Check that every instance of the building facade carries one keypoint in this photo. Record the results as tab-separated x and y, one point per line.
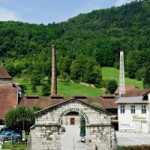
134	111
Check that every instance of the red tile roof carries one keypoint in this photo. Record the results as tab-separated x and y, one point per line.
42	102
127	88
137	92
45	102
105	103
4	73
8	98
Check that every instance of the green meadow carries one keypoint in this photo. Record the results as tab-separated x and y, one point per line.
70	89
113	73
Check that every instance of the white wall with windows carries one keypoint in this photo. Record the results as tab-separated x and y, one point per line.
134	117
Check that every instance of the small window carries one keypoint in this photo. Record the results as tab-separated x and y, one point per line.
143	109
122	109
132	109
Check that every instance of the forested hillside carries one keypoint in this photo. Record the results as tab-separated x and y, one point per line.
84	44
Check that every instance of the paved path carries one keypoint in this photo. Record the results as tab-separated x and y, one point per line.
133	138
71	139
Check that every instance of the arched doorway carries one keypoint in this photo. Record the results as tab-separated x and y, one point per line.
71	118
45	133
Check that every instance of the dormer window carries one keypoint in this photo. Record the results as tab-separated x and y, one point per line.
145	98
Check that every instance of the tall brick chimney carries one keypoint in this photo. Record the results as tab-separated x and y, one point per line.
54	74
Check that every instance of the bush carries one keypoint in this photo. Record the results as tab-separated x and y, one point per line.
136	147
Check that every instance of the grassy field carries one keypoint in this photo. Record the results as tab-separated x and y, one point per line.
113	73
70	89
66	89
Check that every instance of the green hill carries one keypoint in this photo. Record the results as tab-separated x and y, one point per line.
25	49
113	73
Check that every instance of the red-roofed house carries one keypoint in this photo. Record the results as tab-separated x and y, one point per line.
8	98
9	93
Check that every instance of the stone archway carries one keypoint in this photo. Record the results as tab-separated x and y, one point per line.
44	135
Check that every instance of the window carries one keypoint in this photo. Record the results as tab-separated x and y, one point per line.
143	109
122	109
132	109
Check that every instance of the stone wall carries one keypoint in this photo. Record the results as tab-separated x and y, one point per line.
44	138
100	137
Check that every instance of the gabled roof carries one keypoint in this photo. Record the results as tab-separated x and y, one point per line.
8	98
127	88
4	73
134	96
66	102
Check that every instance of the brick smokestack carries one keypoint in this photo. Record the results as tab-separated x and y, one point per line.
54	74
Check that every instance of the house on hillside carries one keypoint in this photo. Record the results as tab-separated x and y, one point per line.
10	93
134	111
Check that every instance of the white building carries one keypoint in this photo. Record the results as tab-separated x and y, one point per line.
134	111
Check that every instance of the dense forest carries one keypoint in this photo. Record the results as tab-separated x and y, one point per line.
84	44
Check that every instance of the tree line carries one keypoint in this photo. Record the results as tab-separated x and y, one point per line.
84	43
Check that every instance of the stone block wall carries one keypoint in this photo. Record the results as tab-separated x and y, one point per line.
100	137
44	138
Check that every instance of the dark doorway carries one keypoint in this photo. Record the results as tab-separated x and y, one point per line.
72	121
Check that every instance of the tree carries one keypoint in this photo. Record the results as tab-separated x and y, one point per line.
111	86
45	90
20	118
76	70
82	126
146	81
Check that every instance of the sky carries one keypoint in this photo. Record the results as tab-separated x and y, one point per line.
49	11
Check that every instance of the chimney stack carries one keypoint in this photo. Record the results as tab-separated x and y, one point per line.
122	77
54	75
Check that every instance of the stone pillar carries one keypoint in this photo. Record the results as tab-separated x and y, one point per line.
54	74
100	137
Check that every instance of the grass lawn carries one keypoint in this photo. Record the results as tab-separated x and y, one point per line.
66	89
9	145
113	73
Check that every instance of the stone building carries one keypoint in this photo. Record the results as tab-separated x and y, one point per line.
44	135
